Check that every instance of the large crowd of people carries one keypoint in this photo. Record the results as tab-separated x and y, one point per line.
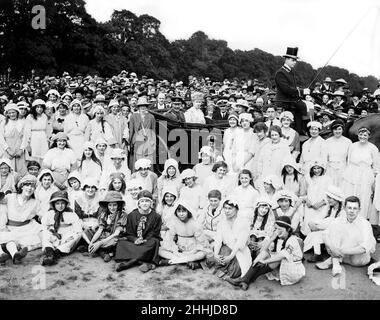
76	174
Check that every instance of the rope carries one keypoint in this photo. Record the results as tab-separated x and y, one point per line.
344	40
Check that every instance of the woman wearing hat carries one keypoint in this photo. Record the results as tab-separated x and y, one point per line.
7	176
245	120
111	220
280	258
118	123
37	130
102	151
141	240
315	200
231	253
260	140
147	177
289	134
60	159
142	132
74	182
270	186
191	191
233	144
75	127
203	169
62	229
261	226
337	148
195	114
13	138
170	176
99	128
133	188
24	232
292	177
191	245
334	209
45	188
314	148
359	175
166	208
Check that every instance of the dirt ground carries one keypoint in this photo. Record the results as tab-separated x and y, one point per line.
80	277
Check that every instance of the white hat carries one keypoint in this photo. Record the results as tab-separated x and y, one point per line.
142	163
53	91
38	102
287	114
263	200
118	153
188	173
113	103
316	124
246	116
335	193
11	106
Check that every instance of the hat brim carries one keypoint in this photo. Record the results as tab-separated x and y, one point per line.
290	56
59	198
104	202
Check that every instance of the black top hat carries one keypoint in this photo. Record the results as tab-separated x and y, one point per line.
291	53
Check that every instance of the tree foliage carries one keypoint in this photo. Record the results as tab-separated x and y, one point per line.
73	41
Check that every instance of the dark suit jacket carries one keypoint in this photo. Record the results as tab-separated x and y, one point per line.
286	86
218	116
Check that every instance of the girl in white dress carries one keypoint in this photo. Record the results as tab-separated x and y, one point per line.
260	129
170	176
292	177
233	144
75	126
204	168
191	192
359	176
45	188
337	148
289	134
245	120
89	165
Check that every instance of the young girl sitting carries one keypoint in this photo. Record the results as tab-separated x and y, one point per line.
211	215
147	177
262	225
45	189
90	165
204	168
191	192
133	189
170	176
190	247
112	214
287	205
166	208
118	184
62	229
74	190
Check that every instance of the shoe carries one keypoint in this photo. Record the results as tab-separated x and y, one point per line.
163	262
19	255
233	281
193	265
4	257
336	270
125	265
315	258
145	267
47	260
107	258
244	286
327	264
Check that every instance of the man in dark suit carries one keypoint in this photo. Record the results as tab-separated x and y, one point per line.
221	112
288	95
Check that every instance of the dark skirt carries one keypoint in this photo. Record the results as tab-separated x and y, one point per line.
232	269
146	252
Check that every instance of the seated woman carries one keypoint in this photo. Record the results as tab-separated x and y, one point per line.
118	184
45	188
74	190
192	192
166	208
219	180
246	194
287	205
280	256
141	240
8	177
292	177
261	226
211	215
190	247
33	168
231	253
62	229
111	219
315	199
22	233
133	189
271	185
147	177
86	207
334	209
170	176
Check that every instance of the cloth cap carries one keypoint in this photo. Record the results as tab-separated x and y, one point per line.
38	102
316	124
246	116
53	91
287	114
145	194
118	153
28	178
274	181
188	173
11	106
60	136
143	163
43	172
90	182
335	193
264	201
233	115
284	221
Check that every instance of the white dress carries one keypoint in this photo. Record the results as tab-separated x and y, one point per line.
233	148
59	162
94	131
28	235
75	127
193	115
203	171
359	178
37	133
337	154
70	230
43	196
258	147
236	236
246	198
312	150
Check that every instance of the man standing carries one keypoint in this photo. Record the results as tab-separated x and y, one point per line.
349	239
288	93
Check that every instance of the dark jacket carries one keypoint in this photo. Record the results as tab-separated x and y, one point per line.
218	116
286	86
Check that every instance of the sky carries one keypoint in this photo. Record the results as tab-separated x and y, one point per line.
316	27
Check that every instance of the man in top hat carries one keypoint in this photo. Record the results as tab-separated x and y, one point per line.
142	132
288	93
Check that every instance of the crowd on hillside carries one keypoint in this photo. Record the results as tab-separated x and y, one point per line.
76	156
